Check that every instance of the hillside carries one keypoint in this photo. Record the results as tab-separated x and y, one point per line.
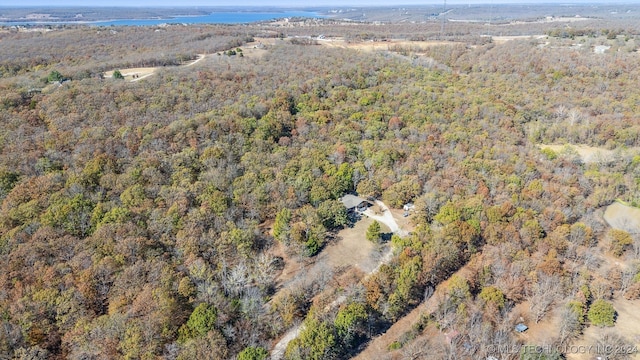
196	212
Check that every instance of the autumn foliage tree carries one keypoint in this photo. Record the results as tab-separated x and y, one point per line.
134	217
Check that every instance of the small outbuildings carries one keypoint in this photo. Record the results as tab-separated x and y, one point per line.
407	207
521	328
354	203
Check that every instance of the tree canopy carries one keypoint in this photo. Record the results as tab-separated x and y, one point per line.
187	214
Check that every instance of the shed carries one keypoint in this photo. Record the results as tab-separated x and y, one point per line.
354	203
521	328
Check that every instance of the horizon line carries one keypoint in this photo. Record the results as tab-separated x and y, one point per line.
297	6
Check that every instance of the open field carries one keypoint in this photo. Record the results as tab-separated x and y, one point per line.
137	74
349	249
353	249
387	45
623	217
133	74
627	325
250	50
590	154
502	39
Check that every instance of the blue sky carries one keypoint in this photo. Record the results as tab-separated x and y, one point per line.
284	3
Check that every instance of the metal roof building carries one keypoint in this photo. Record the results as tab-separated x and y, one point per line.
353	202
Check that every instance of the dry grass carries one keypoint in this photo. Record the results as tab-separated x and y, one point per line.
378	347
590	154
405	223
258	48
129	73
135	74
504	39
350	250
391	45
623	217
353	248
627	325
542	332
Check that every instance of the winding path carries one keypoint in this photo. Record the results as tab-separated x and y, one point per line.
143	73
278	351
386	218
191	63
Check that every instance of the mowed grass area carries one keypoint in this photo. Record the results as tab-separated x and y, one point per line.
627	325
135	74
590	154
130	73
623	217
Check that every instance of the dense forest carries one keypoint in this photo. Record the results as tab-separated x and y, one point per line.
138	220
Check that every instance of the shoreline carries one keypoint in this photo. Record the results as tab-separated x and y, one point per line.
234	17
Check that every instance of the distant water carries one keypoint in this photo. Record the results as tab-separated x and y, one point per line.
213	18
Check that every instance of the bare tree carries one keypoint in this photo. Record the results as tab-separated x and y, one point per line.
479	335
601	289
543	294
635	247
445	315
627	279
428	293
417	349
264	270
561	112
574	117
503	339
591	260
32	353
612	346
580	234
235	280
570	325
252	303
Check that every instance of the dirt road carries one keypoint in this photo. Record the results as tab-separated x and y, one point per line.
137	74
388	220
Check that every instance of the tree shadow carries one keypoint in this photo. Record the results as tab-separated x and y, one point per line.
385	237
353	218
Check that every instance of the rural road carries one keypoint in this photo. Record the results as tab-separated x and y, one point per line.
144	73
191	63
386	218
277	353
139	78
200	57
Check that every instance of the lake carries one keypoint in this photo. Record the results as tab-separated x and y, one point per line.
238	17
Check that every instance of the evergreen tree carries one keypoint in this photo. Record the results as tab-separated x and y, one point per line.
281	227
118	75
55	76
373	232
253	353
601	313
